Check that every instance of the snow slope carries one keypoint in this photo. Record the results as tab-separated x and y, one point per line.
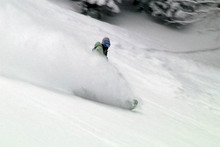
46	58
57	65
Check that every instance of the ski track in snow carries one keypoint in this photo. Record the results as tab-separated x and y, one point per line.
82	125
185	52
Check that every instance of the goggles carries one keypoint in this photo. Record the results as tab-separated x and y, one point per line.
107	44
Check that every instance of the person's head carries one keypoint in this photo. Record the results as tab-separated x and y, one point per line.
106	42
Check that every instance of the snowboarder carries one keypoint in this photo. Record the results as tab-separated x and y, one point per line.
102	48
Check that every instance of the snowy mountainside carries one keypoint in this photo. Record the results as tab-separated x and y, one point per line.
49	47
56	59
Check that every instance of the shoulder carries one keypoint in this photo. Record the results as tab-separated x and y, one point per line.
98	44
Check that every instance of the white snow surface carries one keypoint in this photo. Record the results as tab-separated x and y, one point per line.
52	87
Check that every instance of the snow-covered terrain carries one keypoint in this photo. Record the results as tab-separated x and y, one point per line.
52	87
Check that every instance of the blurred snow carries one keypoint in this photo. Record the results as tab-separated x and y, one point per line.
46	58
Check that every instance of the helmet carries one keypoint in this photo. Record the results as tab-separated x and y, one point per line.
106	42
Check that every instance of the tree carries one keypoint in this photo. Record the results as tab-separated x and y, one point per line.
99	8
179	11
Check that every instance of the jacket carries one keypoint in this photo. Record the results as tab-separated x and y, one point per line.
100	49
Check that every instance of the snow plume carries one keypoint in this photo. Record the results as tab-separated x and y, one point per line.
48	56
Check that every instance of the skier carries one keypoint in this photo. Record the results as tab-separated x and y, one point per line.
102	48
